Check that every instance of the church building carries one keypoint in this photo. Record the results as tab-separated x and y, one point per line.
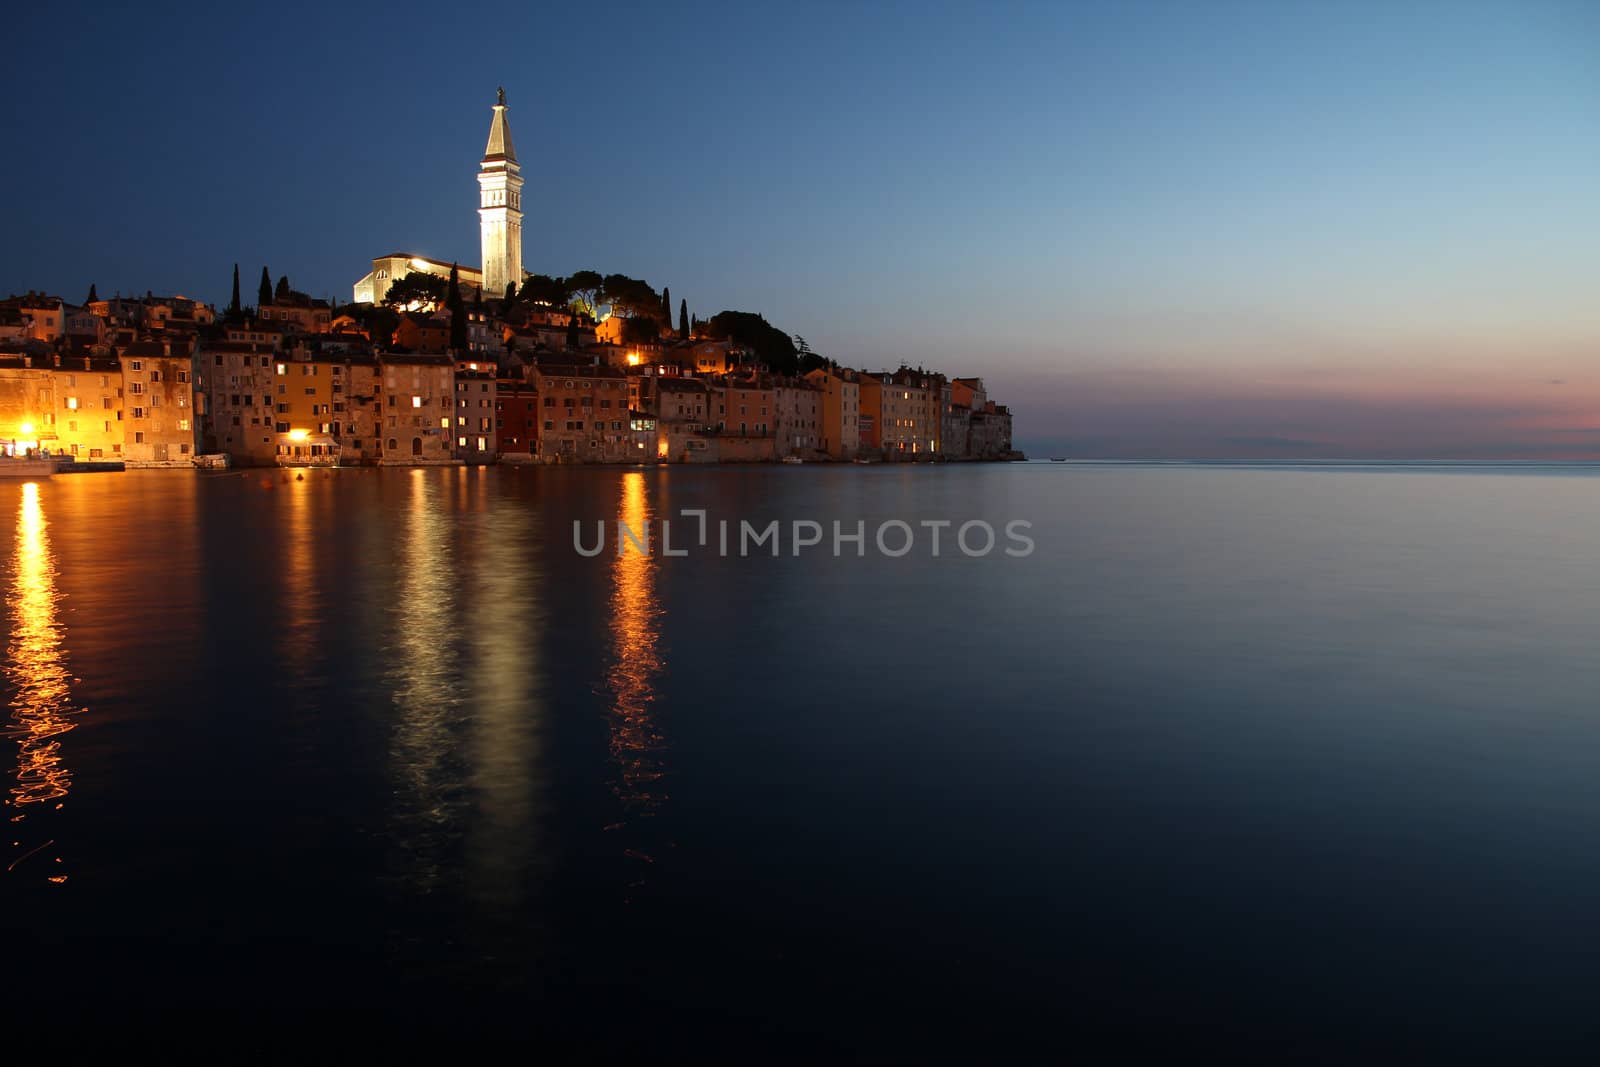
499	227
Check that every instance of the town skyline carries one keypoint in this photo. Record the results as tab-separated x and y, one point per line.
1361	234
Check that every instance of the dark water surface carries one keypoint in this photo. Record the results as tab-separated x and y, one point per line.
1303	762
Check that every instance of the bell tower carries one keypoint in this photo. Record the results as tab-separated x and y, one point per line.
500	206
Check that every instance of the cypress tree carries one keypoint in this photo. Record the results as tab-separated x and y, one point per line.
233	308
283	290
264	293
572	332
683	320
92	297
666	305
458	311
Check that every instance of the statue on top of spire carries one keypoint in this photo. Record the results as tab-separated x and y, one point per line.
502	96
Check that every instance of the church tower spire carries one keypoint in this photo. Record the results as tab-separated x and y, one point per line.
500	206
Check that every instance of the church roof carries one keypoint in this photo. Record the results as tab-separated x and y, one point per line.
500	135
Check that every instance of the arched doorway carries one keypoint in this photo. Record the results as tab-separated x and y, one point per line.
416	446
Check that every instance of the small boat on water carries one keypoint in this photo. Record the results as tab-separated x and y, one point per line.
793	459
1058	459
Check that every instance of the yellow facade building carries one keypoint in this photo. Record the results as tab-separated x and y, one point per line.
839	432
416	412
162	425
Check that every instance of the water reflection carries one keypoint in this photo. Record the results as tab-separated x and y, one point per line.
423	753
36	667
301	587
635	634
506	683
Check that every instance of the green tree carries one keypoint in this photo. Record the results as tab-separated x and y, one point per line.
416	290
543	289
282	292
584	288
264	291
572	332
683	320
233	305
666	305
640	330
510	295
633	298
770	344
93	296
458	311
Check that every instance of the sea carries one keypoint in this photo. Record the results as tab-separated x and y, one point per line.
829	763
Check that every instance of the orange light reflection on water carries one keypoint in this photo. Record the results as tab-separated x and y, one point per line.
36	667
635	635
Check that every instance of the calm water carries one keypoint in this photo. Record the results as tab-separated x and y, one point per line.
1298	760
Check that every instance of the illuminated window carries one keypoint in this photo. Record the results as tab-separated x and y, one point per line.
416	401
444	424
282	369
461	441
72	403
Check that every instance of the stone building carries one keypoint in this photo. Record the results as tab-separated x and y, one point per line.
239	380
799	418
299	312
516	418
477	437
903	412
681	407
840	431
871	440
499	229
325	406
745	415
500	206
416	412
27	400
584	413
957	425
990	435
969	393
159	404
89	394
423	331
271	334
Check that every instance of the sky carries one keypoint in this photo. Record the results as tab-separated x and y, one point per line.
1155	230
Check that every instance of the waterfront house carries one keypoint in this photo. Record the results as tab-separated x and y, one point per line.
416	409
840	431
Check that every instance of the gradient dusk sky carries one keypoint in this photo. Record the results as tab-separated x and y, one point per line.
1155	229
